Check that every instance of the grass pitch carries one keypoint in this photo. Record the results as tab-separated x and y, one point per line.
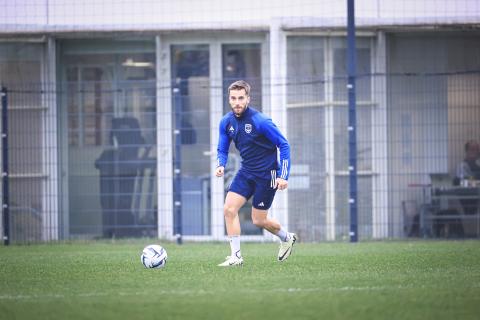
375	280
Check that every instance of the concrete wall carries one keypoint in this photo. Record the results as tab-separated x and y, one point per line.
21	16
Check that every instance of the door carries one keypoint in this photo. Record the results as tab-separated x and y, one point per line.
110	107
190	83
199	76
241	62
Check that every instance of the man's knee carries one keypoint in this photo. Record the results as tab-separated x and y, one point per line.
230	211
259	221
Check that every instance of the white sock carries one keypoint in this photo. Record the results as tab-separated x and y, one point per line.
235	246
283	235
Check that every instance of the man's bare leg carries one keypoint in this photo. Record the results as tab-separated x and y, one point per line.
260	218
233	203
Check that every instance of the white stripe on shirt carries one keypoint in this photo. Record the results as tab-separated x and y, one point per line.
284	169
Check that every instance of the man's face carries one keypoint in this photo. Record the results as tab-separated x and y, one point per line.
239	101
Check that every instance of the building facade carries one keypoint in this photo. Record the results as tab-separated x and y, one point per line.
113	112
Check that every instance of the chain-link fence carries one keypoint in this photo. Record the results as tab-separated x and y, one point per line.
109	144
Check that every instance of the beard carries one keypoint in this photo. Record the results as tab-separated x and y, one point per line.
238	111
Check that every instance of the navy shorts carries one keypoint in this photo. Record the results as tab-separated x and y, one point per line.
262	190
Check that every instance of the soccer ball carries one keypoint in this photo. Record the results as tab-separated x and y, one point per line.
154	256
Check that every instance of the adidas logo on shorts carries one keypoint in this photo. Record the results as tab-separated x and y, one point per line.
261	204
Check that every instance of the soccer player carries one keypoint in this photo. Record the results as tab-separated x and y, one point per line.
258	140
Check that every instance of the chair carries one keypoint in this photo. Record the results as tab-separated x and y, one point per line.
119	167
445	218
411	218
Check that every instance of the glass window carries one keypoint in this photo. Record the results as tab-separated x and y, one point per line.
242	62
364	207
104	86
364	138
363	71
433	109
315	122
110	101
190	75
20	73
305	70
20	65
307	178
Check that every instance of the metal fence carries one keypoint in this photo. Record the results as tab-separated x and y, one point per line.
88	170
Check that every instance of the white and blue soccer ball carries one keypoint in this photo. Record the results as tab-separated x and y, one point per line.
154	256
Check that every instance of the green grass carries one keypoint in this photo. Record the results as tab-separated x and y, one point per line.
375	280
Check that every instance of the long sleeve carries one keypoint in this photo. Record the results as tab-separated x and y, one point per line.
223	145
271	131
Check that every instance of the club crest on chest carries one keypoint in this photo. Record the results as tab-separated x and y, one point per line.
248	128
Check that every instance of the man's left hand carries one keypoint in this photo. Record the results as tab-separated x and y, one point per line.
282	184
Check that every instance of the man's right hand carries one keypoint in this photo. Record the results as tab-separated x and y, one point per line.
219	171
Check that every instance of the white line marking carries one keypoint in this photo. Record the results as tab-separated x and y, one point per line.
209	292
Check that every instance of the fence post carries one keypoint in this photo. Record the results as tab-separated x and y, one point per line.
5	186
352	120
177	165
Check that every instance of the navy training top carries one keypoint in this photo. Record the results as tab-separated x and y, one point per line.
257	138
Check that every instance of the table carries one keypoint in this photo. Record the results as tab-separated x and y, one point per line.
440	198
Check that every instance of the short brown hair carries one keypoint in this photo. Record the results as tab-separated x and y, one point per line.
239	85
